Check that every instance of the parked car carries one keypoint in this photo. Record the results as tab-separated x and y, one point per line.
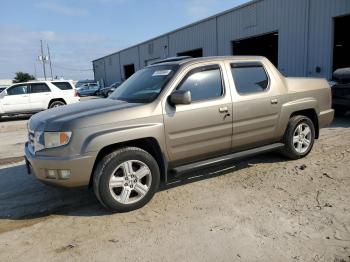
107	91
175	117
90	89
82	82
32	97
341	91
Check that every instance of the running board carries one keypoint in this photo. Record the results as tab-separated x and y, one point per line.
218	160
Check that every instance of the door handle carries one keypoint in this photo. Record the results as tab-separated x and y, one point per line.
223	109
274	101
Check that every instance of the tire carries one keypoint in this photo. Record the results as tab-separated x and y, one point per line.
299	142
56	104
126	179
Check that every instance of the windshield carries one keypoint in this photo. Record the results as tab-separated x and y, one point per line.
145	85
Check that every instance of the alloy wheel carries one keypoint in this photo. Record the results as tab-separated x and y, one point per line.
302	138
130	182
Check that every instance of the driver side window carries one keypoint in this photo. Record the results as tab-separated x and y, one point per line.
17	90
205	83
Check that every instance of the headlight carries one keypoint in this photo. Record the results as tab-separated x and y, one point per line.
44	140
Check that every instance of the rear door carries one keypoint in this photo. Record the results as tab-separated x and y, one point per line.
16	99
40	96
203	128
93	88
256	104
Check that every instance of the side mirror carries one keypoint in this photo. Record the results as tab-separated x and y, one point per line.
3	93
180	97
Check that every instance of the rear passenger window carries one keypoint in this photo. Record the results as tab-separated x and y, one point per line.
204	83
39	88
63	85
249	78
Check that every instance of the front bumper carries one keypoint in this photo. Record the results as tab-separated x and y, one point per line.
79	166
326	118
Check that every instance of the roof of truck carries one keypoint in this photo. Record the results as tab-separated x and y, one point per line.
190	60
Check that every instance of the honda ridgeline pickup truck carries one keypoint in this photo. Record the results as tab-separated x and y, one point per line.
174	117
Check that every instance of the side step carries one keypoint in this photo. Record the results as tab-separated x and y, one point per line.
218	160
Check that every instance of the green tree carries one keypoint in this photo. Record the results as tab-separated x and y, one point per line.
23	77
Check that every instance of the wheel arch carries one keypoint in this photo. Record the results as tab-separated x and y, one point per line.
56	100
149	144
310	113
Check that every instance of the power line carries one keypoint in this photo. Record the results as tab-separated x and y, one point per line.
70	69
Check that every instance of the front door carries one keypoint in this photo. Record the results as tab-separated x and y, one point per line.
203	128
16	100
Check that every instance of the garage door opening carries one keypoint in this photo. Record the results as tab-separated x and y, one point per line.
129	70
341	49
264	45
192	53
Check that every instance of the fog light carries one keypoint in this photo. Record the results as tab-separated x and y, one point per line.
51	174
64	174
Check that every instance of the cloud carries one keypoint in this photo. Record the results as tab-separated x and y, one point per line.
20	47
61	9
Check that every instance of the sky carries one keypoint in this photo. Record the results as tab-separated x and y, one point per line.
80	31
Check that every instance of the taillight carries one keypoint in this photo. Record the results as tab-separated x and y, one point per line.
76	92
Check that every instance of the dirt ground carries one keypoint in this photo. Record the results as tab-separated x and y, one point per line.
261	209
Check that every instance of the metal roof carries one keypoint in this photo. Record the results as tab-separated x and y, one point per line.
184	27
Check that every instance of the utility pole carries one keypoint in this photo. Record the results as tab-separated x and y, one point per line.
48	52
35	70
43	58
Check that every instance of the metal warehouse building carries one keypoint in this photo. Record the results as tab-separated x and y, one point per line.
301	37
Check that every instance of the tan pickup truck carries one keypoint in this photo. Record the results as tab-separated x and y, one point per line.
174	117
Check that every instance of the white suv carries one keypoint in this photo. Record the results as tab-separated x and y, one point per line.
32	97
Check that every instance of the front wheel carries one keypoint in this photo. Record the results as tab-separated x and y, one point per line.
299	137
126	179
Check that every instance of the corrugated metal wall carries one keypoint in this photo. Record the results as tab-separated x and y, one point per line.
201	35
99	70
128	57
285	16
113	72
305	29
320	51
153	50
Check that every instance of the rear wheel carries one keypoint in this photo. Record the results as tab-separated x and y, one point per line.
56	104
126	179
299	137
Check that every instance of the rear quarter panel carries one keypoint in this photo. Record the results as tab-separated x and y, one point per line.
303	94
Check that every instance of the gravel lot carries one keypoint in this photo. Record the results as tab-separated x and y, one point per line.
262	209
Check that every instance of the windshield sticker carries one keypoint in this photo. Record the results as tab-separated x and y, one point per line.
162	73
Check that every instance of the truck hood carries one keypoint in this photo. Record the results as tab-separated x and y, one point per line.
80	115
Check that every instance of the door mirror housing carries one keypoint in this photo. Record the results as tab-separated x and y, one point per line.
180	97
